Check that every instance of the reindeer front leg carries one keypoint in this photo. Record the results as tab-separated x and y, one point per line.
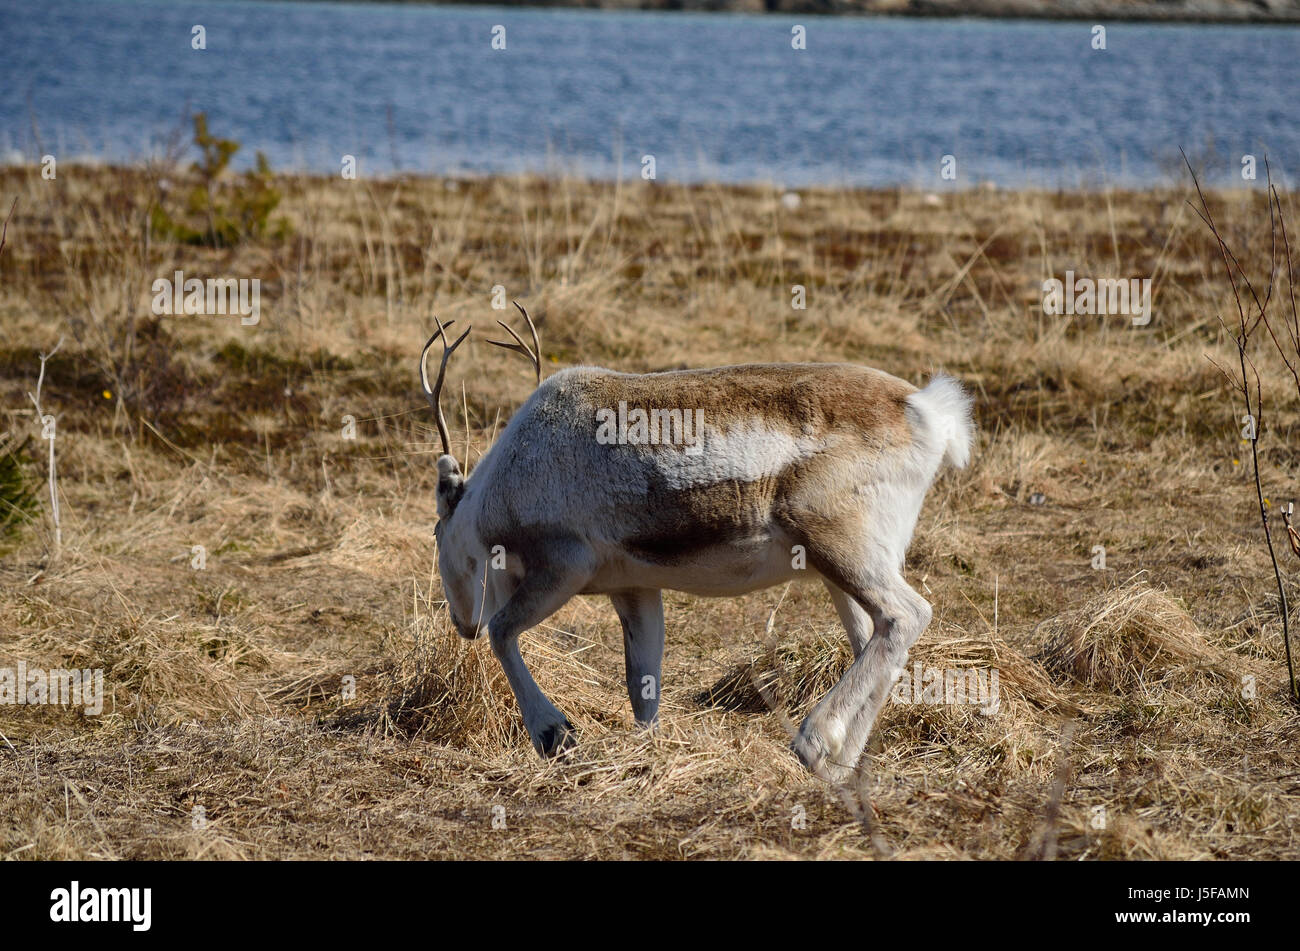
554	571
642	614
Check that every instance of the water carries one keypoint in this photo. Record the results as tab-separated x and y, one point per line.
712	97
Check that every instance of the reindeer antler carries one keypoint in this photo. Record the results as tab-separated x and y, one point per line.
432	395
534	354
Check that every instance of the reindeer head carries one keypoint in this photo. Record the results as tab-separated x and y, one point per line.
462	558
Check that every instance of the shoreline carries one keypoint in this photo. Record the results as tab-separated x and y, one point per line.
1204	12
453	180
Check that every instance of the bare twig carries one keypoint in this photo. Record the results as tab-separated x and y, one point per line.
1246	325
47	424
4	233
1043	845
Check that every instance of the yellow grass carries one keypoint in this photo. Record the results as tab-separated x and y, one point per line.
226	683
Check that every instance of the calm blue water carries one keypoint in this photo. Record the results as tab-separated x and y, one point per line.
712	97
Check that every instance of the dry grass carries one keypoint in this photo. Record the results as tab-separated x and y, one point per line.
226	683
1131	638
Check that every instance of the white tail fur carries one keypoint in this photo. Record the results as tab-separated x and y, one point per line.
947	409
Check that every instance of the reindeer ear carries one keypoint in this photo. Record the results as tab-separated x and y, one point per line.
451	485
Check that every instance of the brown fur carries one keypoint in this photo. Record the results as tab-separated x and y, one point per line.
808	398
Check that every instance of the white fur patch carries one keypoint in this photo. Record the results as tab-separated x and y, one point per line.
745	452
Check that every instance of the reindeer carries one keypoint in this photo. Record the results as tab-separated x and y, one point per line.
796	464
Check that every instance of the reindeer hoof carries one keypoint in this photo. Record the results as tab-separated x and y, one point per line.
818	747
811	750
553	738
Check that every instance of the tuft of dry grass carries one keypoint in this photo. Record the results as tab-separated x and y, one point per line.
789	676
1130	637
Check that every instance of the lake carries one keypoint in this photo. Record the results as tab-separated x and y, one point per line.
712	97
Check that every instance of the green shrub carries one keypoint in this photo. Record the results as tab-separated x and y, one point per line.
220	213
17	497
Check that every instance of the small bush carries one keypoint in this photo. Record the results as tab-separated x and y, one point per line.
17	497
219	213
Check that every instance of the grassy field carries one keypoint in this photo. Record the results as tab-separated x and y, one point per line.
1122	730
